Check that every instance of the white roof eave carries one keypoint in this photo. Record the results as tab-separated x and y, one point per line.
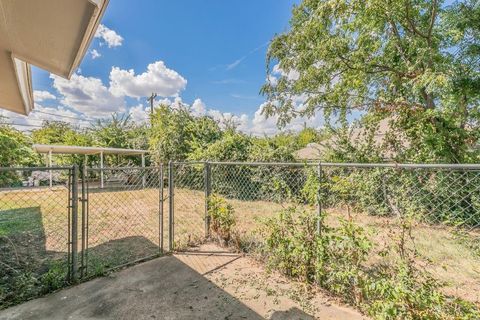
17	46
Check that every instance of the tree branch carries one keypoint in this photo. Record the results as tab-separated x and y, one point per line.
411	23
432	21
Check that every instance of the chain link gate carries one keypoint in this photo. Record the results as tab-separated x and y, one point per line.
122	219
187	204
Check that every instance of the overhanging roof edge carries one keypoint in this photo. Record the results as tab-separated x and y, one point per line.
101	5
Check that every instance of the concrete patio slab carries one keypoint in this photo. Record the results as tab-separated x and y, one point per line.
206	284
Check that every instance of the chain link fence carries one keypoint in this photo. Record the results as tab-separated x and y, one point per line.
35	232
440	201
138	213
258	191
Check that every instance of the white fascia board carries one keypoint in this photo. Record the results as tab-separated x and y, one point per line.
100	6
23	73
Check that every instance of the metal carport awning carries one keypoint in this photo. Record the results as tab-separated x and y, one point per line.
59	149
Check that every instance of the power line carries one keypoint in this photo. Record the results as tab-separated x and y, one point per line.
21	125
24	125
64	116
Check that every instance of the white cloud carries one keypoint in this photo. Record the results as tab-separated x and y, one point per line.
158	78
91	96
257	124
178	103
40	96
292	75
40	114
88	95
261	125
139	113
109	36
198	108
95	54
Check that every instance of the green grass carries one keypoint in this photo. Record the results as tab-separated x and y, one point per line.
20	220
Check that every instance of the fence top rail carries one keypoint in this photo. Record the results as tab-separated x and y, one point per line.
291	164
58	168
122	168
357	165
190	162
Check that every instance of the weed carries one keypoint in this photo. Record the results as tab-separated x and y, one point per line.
336	259
222	218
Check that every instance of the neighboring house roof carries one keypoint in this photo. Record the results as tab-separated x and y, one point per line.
57	149
313	151
51	34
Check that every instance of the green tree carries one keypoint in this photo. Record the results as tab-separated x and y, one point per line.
62	133
119	131
16	152
16	148
270	150
371	55
306	136
231	147
176	133
203	131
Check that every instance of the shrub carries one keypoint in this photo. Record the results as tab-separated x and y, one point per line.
335	258
222	218
290	243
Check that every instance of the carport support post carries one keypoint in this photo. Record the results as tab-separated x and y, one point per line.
74	230
171	222
101	169
208	191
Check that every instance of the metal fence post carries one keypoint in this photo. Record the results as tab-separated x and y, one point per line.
74	225
84	211
69	224
161	208
208	190
171	221
319	199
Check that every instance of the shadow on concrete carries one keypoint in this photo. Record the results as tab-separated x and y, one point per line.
292	313
163	288
118	252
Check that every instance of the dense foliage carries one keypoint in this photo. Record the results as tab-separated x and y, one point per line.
15	152
176	133
415	61
62	133
339	259
119	131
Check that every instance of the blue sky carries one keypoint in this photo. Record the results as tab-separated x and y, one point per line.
209	53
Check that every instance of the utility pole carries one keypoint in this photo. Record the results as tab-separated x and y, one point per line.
151	99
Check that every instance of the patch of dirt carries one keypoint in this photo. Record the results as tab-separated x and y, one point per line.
269	294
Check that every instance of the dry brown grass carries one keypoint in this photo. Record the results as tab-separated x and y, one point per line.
133	215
